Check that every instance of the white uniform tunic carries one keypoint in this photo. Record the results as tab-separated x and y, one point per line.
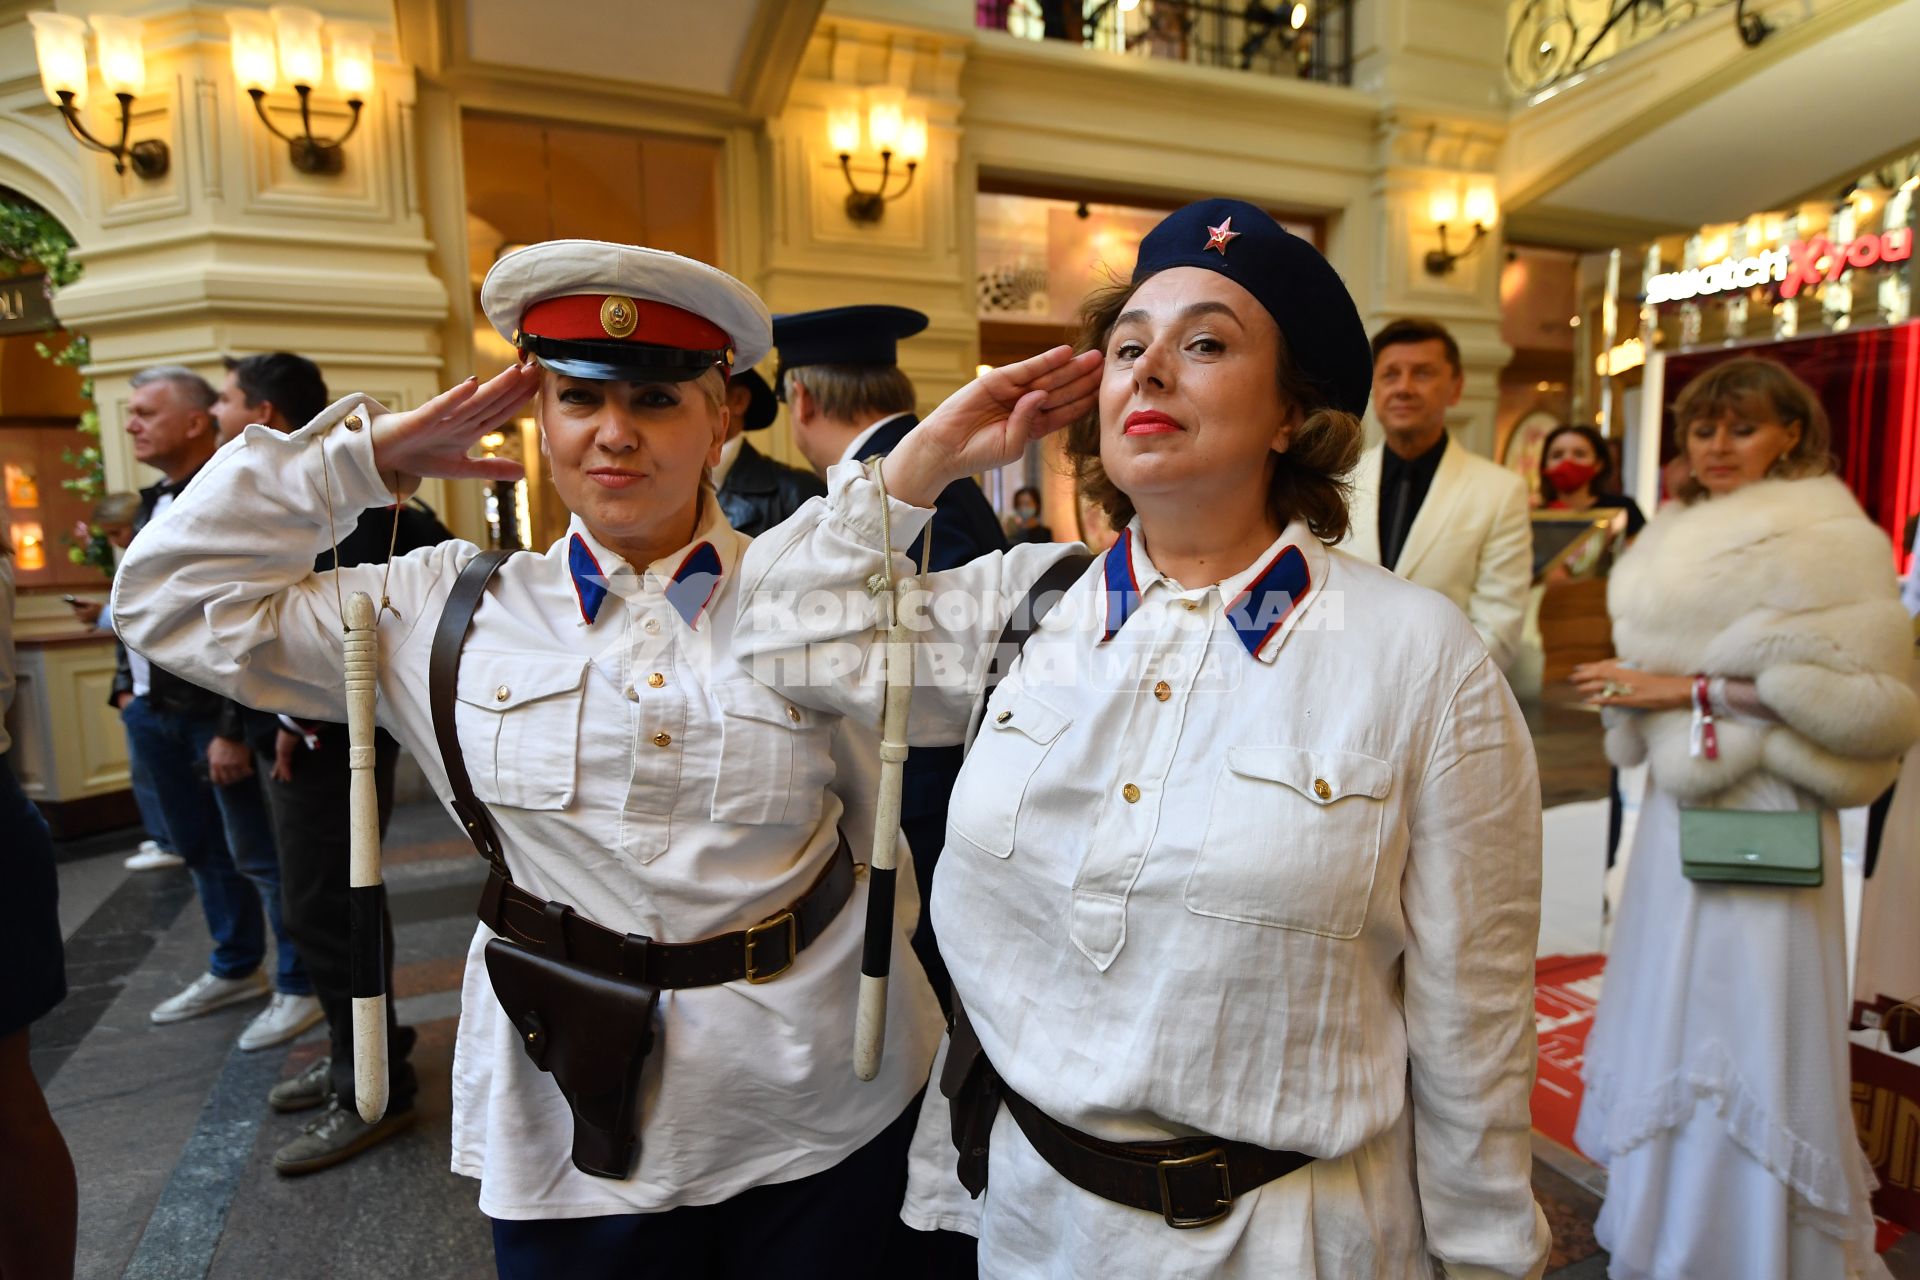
633	771
1270	873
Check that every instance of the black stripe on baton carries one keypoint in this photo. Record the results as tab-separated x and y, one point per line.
367	945
876	955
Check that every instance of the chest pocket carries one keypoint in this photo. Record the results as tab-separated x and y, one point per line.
518	717
1293	839
1014	739
776	758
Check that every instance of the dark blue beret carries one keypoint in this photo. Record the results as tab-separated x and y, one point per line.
1286	275
844	335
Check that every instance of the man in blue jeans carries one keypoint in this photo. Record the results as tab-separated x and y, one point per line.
194	747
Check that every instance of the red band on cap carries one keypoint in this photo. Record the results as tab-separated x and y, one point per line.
583	317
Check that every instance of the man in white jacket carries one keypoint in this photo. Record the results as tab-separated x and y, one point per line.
1428	509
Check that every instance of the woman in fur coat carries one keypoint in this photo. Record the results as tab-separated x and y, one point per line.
1763	655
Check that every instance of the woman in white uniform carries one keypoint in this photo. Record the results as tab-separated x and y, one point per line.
1764	660
694	824
1241	883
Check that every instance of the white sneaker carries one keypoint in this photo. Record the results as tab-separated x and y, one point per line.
284	1018
153	858
208	993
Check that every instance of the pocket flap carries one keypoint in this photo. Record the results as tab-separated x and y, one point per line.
752	701
503	681
1323	777
1023	713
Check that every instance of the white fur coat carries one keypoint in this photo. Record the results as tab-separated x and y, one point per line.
1788	584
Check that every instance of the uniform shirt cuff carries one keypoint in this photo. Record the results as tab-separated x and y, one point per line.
344	433
854	502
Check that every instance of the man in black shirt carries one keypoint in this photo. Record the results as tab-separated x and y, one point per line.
307	778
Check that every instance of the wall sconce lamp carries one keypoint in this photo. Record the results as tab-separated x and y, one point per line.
285	41
1445	207
892	131
60	46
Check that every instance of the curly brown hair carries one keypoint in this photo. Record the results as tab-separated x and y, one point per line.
1750	386
1309	481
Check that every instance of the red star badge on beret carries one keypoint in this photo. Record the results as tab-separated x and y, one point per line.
1217	237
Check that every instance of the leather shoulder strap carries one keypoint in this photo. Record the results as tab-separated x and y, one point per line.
443	672
1024	621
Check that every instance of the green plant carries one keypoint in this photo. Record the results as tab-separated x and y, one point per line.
31	239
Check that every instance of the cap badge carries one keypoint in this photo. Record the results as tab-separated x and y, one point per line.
1217	237
618	316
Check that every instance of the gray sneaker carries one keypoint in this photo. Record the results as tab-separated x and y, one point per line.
310	1089
336	1134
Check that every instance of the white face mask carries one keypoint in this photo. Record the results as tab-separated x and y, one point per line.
1025	512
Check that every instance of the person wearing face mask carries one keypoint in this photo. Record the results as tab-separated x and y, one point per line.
1577	474
1023	525
1762	679
653	1069
1241	885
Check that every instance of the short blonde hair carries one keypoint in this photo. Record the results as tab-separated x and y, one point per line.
1752	386
853	392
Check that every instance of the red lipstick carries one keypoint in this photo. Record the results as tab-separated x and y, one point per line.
1150	422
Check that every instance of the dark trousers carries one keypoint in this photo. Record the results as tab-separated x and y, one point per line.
310	821
838	1224
226	838
33	972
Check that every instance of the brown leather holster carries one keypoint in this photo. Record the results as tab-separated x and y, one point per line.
973	1092
593	1032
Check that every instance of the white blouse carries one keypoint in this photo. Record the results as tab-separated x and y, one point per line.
1259	859
633	771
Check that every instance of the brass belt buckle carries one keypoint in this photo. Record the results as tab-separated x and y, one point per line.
1217	1157
757	975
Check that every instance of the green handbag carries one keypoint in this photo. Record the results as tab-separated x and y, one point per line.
1749	846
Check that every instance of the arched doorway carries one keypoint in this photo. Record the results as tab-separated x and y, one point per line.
47	463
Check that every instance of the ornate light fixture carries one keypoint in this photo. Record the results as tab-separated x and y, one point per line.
60	45
285	42
892	131
1444	207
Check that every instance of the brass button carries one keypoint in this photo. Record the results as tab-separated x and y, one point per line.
1163	691
793	713
1193	606
1321	789
1003	717
633	694
656	680
502	694
352	422
663	739
1131	792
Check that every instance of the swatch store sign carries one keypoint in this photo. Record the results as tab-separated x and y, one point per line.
1803	264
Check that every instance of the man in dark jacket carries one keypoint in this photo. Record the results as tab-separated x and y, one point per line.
756	492
192	742
306	767
848	399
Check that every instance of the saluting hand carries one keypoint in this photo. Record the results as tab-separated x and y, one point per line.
990	421
434	439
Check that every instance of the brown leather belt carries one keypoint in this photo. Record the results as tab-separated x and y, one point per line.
759	953
1191	1182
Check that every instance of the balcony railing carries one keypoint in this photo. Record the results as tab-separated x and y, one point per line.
1550	41
1305	40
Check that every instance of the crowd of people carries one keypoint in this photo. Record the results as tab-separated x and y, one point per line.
1218	944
